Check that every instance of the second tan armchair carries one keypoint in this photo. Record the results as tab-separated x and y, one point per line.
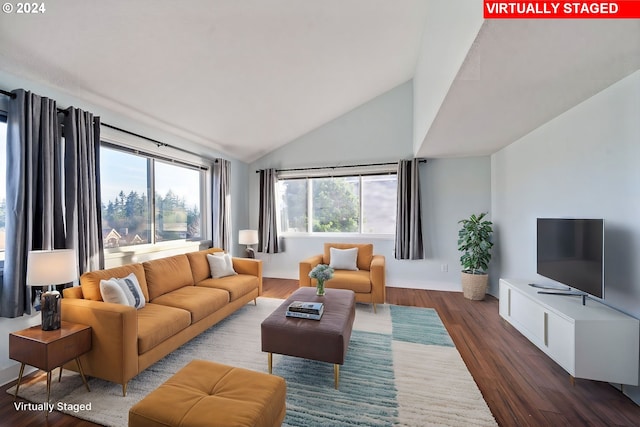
368	281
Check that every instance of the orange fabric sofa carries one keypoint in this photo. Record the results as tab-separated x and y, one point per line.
368	282
182	300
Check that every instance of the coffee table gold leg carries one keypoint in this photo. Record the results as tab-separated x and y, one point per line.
336	374
19	379
84	380
270	358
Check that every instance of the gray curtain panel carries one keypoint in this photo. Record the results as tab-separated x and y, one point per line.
268	218
409	243
221	209
53	191
82	188
34	201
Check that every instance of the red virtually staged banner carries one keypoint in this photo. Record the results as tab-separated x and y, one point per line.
629	9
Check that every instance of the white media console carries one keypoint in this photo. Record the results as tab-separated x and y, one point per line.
592	341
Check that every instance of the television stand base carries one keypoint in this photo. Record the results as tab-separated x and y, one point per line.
568	293
550	287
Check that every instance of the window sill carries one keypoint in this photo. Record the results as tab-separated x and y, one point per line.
359	236
114	257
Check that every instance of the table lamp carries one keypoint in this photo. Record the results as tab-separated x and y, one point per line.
249	237
48	268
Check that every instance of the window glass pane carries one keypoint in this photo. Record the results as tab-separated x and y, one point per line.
3	184
336	204
379	194
125	199
293	205
177	202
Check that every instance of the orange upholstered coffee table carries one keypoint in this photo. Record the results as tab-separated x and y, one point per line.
325	340
210	394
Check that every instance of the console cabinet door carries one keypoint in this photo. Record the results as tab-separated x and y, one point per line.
528	317
560	341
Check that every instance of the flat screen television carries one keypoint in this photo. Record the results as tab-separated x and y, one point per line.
571	251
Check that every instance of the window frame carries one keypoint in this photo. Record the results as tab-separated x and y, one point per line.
344	172
128	146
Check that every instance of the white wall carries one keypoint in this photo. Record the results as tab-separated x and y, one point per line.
583	163
381	131
453	26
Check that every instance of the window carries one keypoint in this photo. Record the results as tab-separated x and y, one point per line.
128	180
346	204
379	198
177	202
335	204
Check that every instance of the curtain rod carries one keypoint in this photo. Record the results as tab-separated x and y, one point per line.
340	167
155	141
9	94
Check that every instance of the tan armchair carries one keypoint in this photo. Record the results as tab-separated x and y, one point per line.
368	282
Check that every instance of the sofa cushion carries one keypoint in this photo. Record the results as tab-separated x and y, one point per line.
365	253
158	322
358	281
221	265
237	286
167	274
200	302
90	282
199	264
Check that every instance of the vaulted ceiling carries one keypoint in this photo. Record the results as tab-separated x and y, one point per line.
246	77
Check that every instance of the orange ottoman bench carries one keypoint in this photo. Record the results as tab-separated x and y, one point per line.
215	395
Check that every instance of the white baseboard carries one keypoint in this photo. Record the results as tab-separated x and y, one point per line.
11	373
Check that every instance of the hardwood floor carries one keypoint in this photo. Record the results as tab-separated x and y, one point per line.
521	385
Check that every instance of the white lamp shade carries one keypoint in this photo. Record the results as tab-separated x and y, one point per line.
54	267
248	237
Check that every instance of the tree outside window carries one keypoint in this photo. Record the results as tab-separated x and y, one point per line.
127	181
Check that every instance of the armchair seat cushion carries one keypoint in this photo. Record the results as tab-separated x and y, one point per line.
158	322
357	281
200	302
237	285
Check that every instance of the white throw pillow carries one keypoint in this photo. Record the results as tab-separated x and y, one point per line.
112	292
343	259
132	290
221	265
124	291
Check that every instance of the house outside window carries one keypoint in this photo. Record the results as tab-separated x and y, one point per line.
363	203
127	182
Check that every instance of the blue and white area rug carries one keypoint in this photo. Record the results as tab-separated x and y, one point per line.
402	369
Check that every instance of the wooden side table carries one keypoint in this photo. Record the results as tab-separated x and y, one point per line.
48	350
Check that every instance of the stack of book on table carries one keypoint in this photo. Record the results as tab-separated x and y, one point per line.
305	310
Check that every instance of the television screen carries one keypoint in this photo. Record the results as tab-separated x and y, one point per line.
571	251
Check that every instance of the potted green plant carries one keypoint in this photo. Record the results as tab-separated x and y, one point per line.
474	241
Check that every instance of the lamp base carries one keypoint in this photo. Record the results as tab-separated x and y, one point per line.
250	252
50	310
